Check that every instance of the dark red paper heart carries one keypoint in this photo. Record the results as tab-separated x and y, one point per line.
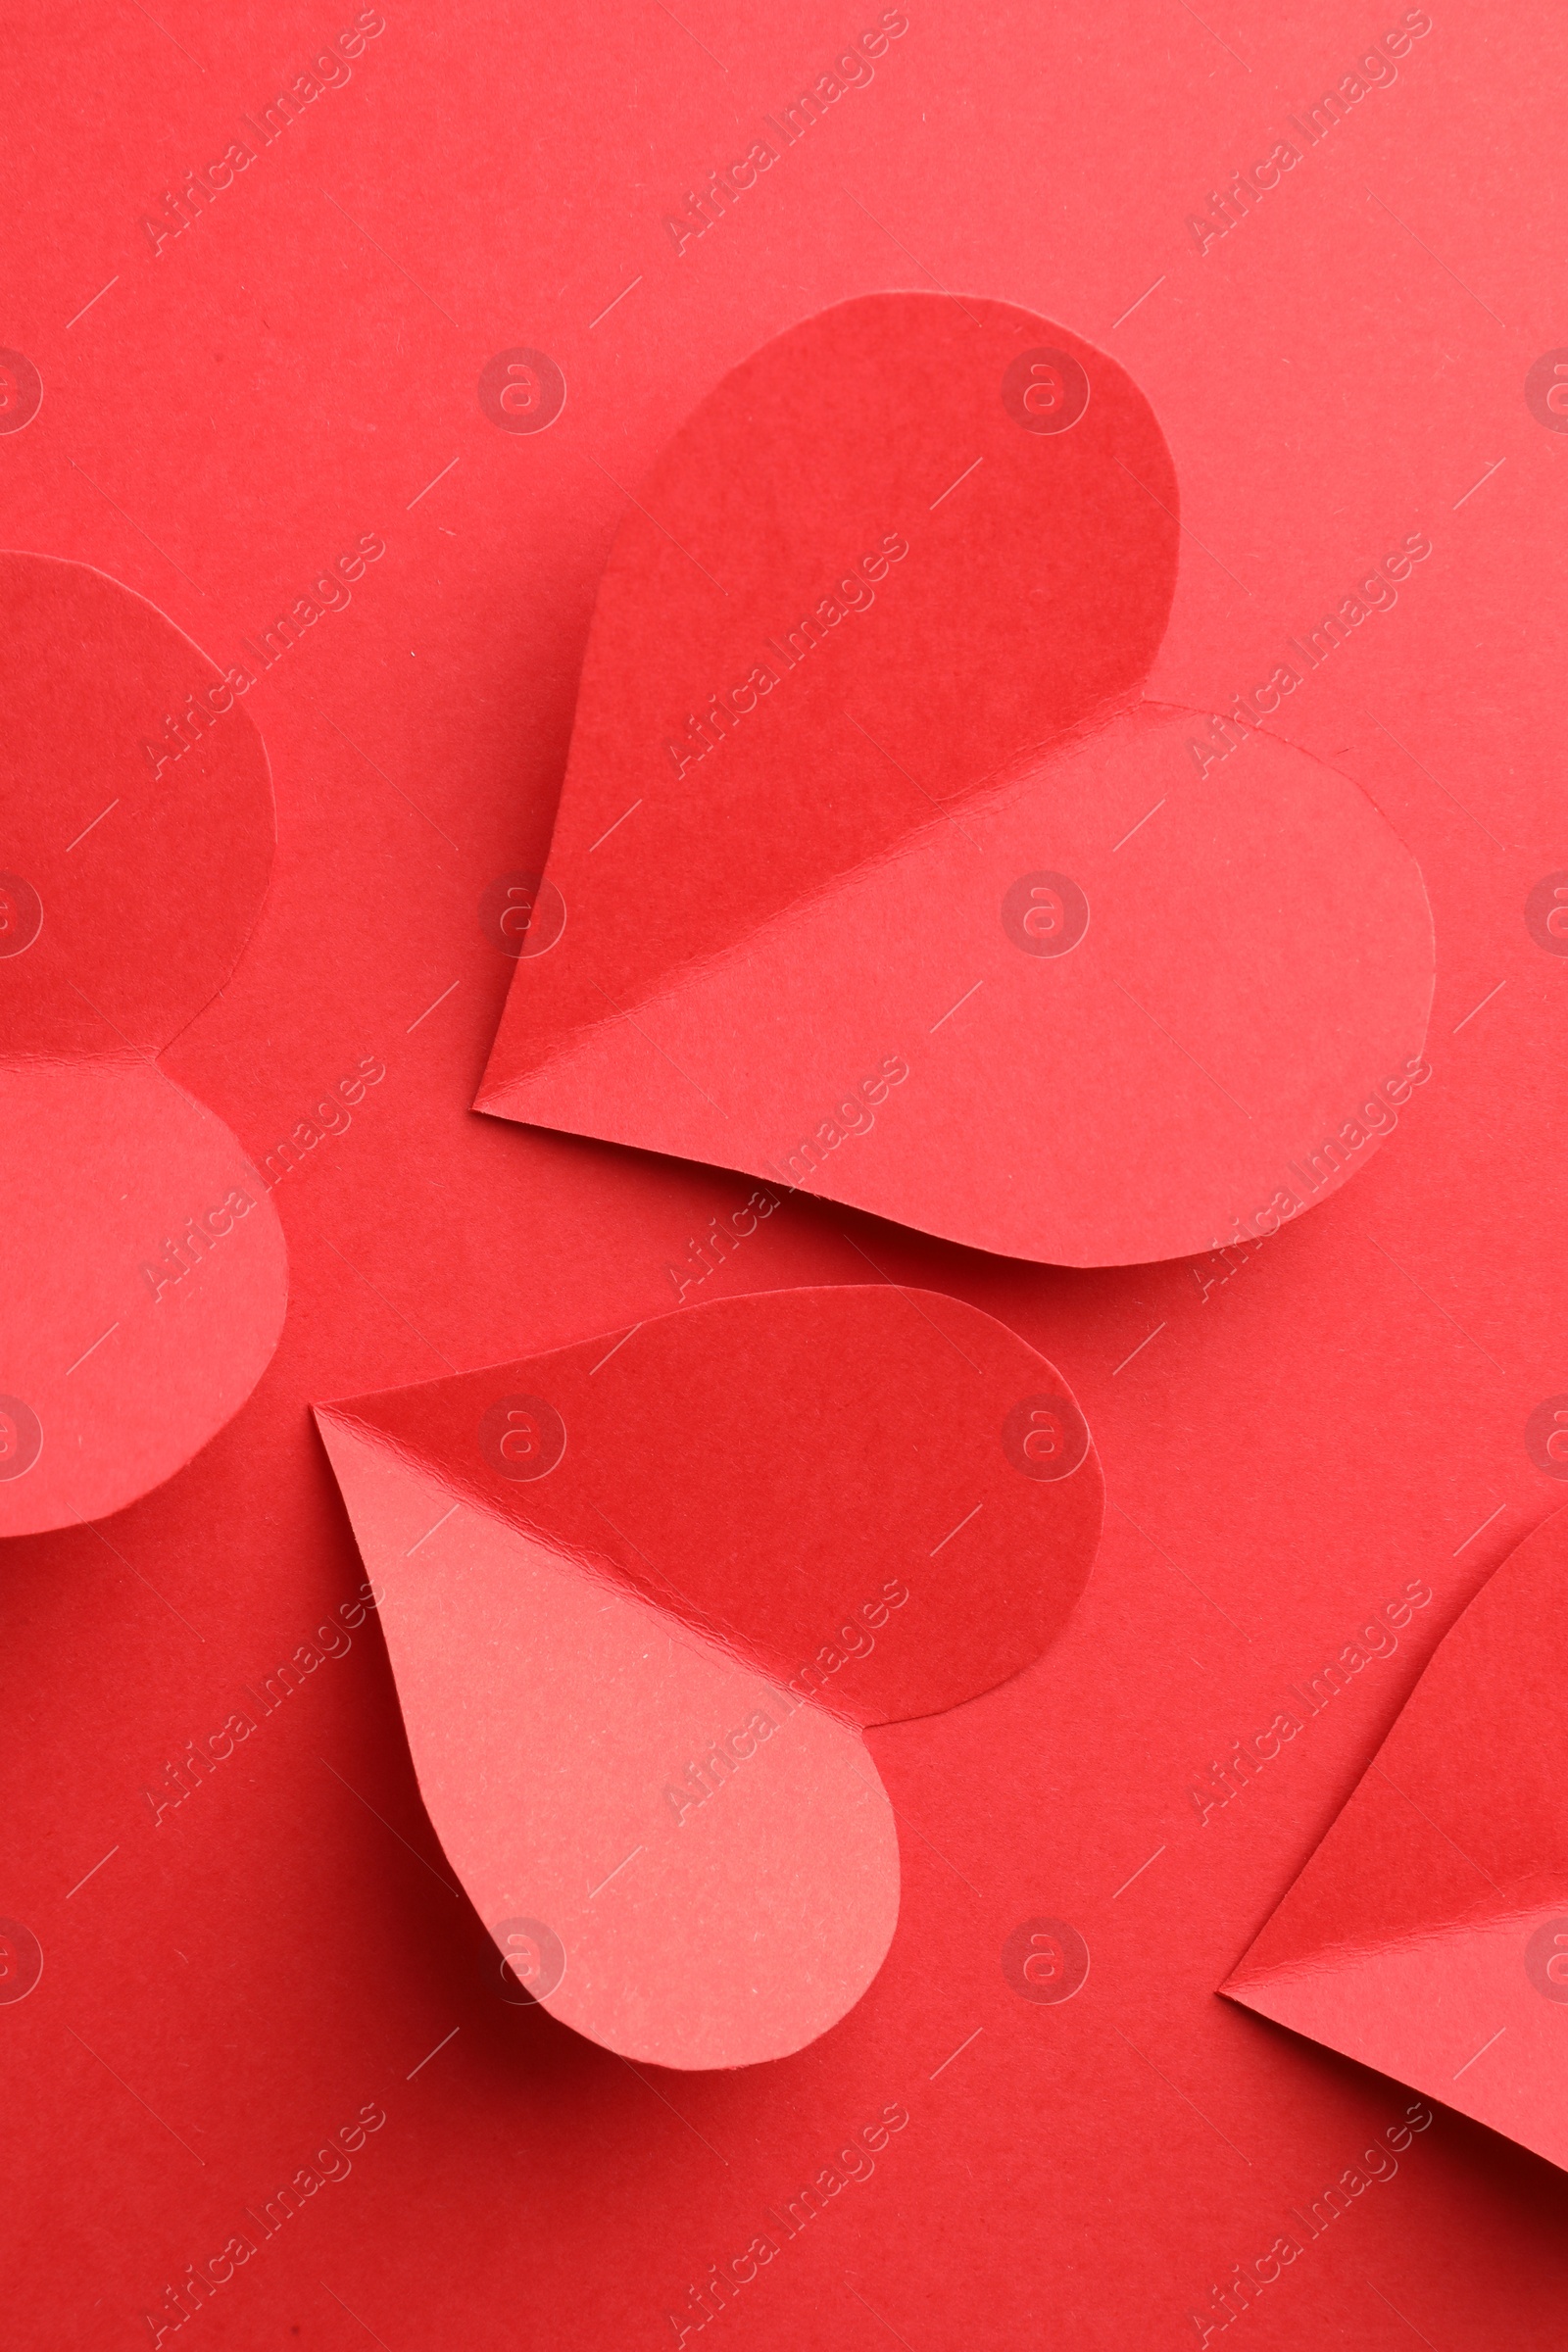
860	782
596	1569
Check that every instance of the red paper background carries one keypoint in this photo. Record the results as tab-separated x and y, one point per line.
1302	1434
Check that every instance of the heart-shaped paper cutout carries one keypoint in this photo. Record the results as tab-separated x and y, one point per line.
1428	1935
859	789
639	1594
141	1261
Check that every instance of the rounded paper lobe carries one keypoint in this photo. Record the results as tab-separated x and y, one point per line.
1146	1014
137	828
678	1859
1166	1006
717	1860
141	1262
145	1278
883	1500
1166	1009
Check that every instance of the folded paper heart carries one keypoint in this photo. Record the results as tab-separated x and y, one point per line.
1428	1935
142	1264
643	1595
861	795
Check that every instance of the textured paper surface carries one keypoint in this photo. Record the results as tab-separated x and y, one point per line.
636	1594
142	1264
1428	1935
859	735
231	1930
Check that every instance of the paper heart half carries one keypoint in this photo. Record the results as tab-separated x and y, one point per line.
872	875
141	1262
1428	1935
641	1596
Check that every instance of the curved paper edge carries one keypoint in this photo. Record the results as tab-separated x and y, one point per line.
994	1531
1082	521
1098	1107
146	1282
100	801
683	1917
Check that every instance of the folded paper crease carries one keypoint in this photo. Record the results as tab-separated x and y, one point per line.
642	1602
